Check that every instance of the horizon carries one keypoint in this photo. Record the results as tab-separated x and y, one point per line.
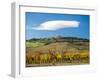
45	25
57	36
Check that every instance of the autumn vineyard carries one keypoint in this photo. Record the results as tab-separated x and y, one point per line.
57	51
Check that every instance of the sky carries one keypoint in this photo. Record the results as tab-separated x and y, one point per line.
44	25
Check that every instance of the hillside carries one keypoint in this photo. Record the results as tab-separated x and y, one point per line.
77	43
62	46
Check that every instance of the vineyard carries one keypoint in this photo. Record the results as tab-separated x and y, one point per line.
57	51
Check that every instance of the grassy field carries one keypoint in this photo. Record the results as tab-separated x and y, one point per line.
34	44
57	51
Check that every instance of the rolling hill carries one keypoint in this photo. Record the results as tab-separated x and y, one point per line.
70	46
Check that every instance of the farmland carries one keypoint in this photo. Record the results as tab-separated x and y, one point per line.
57	51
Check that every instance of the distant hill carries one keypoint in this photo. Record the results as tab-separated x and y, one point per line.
79	43
59	39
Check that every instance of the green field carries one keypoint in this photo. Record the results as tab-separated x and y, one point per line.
57	51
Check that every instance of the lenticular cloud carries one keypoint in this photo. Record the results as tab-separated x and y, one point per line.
57	24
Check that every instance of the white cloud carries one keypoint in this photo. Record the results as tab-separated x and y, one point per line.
57	24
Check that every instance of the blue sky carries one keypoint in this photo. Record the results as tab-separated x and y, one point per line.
41	25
